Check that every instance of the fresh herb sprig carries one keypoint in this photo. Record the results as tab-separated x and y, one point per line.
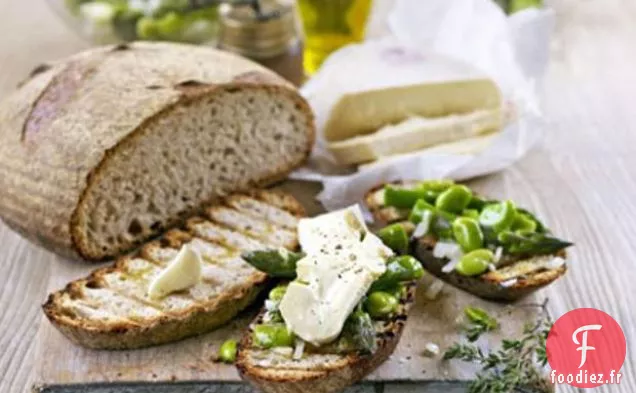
480	322
515	367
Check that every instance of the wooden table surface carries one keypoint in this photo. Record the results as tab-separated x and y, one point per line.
582	180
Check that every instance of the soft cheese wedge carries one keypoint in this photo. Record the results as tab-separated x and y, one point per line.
374	124
365	112
343	260
198	272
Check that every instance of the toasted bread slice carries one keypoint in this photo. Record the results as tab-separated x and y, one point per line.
277	372
517	276
110	308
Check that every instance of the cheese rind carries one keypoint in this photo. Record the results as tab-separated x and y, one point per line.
415	133
365	112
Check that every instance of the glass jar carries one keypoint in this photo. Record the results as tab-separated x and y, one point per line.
267	35
109	22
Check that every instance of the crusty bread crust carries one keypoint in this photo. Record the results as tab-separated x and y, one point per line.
50	159
488	285
135	332
330	378
161	331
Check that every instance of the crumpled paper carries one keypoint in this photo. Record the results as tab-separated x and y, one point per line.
444	35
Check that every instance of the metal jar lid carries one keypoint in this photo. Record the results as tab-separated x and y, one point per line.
258	35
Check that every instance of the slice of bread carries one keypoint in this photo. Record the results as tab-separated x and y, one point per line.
515	277
110	147
276	372
110	309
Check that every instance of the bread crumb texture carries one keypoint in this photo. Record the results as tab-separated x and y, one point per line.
111	307
114	145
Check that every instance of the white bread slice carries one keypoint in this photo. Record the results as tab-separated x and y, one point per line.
110	147
111	308
415	133
276	372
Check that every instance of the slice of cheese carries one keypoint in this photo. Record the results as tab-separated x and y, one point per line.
414	134
322	231
183	272
365	112
343	260
469	146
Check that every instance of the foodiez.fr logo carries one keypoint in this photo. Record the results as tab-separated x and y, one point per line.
586	348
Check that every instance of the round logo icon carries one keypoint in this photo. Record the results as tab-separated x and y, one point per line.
586	348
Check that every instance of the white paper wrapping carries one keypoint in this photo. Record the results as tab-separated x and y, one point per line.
435	40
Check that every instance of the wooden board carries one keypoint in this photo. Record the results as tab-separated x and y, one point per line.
438	321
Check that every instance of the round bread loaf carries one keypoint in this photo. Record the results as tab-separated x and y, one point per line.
107	148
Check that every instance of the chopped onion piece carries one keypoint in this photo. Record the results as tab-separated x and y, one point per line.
555	263
421	229
434	289
498	254
450	266
299	348
508	283
431	349
270	305
492	267
446	250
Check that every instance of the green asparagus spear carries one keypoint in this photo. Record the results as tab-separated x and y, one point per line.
276	263
531	243
398	269
359	328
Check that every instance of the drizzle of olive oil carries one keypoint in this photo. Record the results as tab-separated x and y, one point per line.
329	25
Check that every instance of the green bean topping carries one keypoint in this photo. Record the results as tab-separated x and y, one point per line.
403	198
498	216
455	199
395	237
227	351
468	234
475	262
380	304
420	207
272	335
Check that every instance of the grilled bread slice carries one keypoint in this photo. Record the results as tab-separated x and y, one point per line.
110	309
275	371
517	277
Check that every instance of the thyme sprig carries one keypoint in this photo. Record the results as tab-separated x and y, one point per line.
517	366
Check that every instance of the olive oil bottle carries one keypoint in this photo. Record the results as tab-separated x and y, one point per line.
329	25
